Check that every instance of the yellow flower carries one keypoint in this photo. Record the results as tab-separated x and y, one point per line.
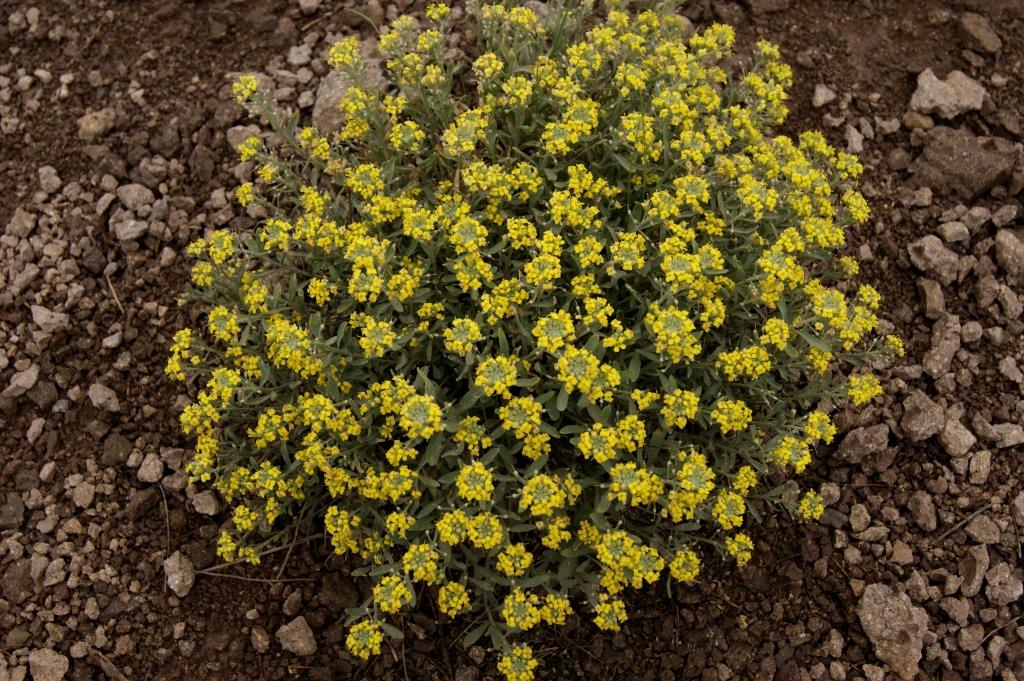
364	639
453	599
740	547
514	560
517	664
811	506
391	594
475	483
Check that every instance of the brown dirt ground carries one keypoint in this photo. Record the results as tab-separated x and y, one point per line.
768	621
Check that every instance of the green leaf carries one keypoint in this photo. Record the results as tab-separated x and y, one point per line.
391	630
814	342
474	635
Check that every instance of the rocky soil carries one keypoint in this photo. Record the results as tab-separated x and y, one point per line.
116	131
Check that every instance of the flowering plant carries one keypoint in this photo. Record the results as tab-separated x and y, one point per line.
527	333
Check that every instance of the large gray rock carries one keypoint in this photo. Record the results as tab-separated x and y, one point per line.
932	257
180	574
1004	585
980	33
958	162
956	438
922	510
948	98
945	343
327	117
1010	252
922	418
134	196
47	665
96	124
296	637
21	382
895	627
861	443
103	397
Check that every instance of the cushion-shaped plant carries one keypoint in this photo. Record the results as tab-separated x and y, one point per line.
527	333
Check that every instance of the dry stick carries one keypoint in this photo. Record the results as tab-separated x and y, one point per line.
963	522
316	21
262	580
108	668
288	555
998	629
211	570
113	292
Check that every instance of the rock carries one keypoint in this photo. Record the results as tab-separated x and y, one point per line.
859	518
12	512
823	95
972	570
1008	435
49	180
1017	509
47	665
970	637
1005	215
922	510
21	382
932	257
238	134
293	604
326	115
48	321
956	438
953	232
338	592
955	161
980	32
206	503
1010	252
83	494
103	397
895	627
901	553
130	229
863	442
945	343
152	469
934	300
854	140
135	196
308	7
94	125
116	449
922	418
16	585
296	637
180	575
983	530
957	94
1004	585
22	223
260	639
300	55
980	467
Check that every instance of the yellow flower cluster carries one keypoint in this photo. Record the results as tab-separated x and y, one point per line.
585	307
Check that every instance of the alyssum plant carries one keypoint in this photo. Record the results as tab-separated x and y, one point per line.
530	330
